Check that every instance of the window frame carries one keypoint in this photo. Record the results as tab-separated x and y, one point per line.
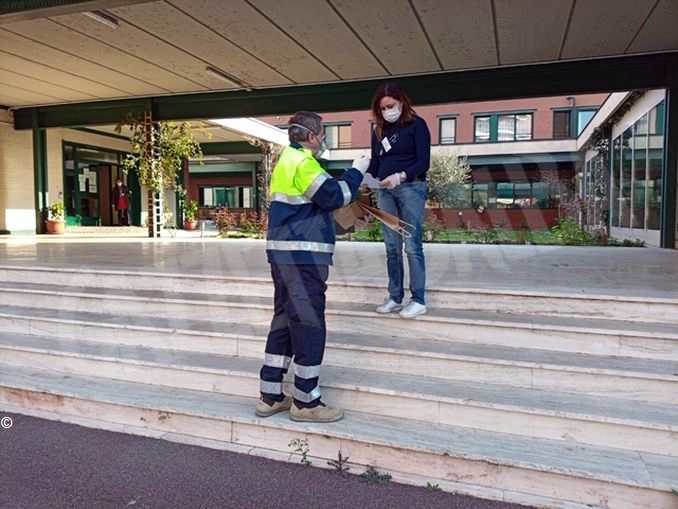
338	125
494	125
441	119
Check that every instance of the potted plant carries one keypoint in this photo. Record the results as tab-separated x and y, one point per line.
190	215
55	218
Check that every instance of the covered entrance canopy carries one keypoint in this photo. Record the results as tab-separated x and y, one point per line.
66	63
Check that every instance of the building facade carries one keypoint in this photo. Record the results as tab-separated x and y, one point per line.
522	152
621	183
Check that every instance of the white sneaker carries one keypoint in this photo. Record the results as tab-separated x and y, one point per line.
413	309
389	306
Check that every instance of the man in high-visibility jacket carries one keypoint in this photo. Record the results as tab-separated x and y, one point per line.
300	245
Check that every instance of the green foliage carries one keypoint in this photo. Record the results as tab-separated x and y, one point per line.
191	210
300	446
569	233
340	464
433	228
433	487
373	476
158	156
447	178
489	235
57	211
374	231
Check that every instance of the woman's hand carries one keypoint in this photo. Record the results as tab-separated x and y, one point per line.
394	180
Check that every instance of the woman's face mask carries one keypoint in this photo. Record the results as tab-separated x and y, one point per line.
391	110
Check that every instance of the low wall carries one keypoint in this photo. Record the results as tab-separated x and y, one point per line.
513	219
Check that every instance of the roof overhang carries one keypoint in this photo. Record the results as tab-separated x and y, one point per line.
539	80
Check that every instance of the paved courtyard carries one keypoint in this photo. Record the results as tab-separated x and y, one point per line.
647	272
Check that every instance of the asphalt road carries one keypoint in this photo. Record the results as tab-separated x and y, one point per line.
50	465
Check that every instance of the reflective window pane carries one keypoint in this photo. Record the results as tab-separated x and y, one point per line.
507	128
583	118
448	127
626	178
482	129
655	163
524	127
615	197
344	136
523	195
480	195
504	195
639	168
561	124
332	136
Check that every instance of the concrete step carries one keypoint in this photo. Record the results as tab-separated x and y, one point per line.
643	379
621	307
556	415
538	472
577	335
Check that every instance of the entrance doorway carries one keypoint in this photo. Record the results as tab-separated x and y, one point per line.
90	175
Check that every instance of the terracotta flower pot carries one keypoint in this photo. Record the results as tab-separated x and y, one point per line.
190	225
56	226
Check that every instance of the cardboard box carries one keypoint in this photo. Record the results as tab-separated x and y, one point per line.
346	217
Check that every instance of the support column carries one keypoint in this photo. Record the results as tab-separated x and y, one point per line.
41	198
670	170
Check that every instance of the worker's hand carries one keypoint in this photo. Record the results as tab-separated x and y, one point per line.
394	180
361	164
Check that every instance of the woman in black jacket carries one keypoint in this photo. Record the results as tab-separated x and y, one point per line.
401	154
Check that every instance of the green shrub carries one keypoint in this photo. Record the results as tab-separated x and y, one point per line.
569	233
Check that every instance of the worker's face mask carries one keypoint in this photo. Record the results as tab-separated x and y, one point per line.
392	114
318	145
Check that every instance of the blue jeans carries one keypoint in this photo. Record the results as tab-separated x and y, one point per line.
408	202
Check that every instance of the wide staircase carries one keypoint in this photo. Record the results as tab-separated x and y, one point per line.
549	400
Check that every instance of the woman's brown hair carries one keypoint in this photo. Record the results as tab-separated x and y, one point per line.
393	90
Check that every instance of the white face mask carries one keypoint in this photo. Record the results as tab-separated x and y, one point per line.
393	114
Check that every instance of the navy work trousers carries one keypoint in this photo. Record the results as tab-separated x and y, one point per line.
297	332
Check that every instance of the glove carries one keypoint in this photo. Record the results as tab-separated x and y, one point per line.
394	180
361	164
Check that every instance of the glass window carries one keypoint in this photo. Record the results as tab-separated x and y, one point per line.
96	154
626	178
561	124
231	197
583	119
615	198
219	196
338	136
482	129
514	127
207	197
505	195
541	195
507	128
479	195
522	195
655	163
448	131
639	169
524	126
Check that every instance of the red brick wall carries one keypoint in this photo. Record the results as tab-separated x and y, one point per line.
534	219
543	116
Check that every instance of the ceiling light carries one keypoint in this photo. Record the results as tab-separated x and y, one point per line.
223	76
104	18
